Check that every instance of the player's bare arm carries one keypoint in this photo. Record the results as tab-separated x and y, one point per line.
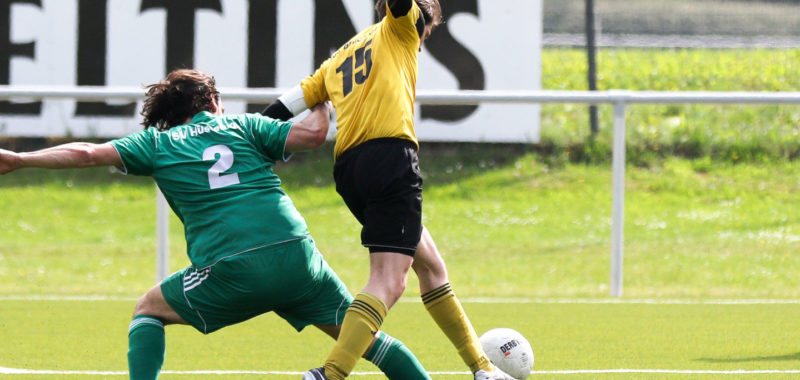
9	161
72	155
311	132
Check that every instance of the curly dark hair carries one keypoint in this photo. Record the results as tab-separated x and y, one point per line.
431	10
182	95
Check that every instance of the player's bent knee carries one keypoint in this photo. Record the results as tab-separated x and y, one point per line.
430	267
155	305
145	306
395	285
388	289
399	288
432	270
396	290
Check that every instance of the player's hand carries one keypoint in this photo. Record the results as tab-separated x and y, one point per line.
324	107
9	161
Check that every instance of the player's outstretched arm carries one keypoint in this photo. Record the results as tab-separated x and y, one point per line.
311	132
72	155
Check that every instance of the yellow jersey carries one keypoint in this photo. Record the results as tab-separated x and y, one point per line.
371	81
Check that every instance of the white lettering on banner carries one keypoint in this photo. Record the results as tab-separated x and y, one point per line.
484	45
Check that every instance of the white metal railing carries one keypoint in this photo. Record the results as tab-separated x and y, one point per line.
620	99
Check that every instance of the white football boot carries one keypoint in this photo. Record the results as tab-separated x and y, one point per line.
497	374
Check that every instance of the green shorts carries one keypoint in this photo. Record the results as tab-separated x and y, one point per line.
291	279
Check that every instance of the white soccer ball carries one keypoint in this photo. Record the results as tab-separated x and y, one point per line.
509	351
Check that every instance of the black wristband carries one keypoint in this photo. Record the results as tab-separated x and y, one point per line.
277	110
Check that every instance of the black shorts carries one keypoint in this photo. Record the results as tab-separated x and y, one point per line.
380	182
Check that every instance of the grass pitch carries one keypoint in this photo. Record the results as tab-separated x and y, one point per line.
570	340
509	226
512	228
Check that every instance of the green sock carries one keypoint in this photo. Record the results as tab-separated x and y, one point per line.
146	347
395	359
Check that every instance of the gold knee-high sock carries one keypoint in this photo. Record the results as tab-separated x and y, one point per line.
361	321
447	312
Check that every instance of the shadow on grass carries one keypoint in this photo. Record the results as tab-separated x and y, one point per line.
775	358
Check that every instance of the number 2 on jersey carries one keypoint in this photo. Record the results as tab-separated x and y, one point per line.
363	57
215	177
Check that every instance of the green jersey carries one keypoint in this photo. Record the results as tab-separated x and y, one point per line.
216	174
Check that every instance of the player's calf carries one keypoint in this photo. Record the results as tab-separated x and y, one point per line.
146	347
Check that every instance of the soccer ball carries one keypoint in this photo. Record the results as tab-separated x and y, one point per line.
509	351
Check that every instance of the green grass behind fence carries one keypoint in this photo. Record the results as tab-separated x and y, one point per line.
732	133
508	225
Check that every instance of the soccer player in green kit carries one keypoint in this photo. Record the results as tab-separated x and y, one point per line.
250	249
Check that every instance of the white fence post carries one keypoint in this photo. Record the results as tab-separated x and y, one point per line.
162	236
618	199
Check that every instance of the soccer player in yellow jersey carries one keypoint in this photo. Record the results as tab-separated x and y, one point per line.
371	81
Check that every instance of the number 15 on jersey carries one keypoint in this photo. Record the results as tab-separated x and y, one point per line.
358	72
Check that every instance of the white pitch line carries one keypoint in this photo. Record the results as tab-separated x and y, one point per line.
644	301
60	297
672	371
477	300
17	371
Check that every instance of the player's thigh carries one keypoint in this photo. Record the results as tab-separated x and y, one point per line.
394	223
380	182
244	286
324	301
186	293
